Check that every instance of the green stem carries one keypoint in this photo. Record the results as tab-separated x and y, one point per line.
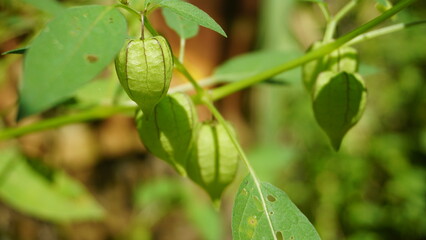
383	31
332	22
345	10
150	28
93	114
137	14
244	158
324	9
104	112
129	9
325	49
188	86
182	49
330	30
182	69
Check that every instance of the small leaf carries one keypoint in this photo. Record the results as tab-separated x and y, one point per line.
250	64
184	28
192	13
59	200
16	51
70	51
338	103
250	217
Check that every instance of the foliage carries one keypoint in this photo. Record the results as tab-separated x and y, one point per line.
375	166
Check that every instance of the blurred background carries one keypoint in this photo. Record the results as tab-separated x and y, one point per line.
373	189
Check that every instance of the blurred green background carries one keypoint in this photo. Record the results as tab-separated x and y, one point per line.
373	189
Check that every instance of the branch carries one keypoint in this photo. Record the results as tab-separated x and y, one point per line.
327	48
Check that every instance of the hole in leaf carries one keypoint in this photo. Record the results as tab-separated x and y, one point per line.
271	198
271	213
279	236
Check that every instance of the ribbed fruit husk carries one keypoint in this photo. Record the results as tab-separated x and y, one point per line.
169	132
213	160
144	68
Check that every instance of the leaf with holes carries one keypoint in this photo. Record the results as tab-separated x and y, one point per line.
272	216
70	51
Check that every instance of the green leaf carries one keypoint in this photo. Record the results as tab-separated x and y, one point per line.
191	13
338	103
70	51
96	92
59	200
183	27
49	6
254	63
250	218
16	51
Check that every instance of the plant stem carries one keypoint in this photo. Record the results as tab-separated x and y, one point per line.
182	69
329	30
89	115
150	28
144	20
332	22
324	9
383	31
345	10
234	141
129	9
356	36
93	114
182	49
188	86
327	48
142	16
